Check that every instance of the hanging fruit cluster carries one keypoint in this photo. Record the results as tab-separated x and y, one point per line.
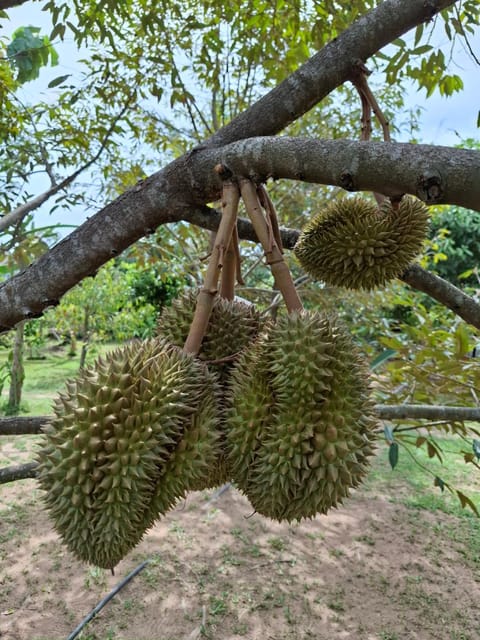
281	409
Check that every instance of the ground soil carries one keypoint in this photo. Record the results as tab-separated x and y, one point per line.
372	570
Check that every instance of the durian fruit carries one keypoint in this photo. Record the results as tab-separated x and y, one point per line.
131	435
300	426
233	326
354	244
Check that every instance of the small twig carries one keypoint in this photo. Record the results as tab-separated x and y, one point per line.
270	562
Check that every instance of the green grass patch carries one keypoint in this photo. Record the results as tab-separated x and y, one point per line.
45	378
412	482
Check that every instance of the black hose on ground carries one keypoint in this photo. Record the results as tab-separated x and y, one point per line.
107	598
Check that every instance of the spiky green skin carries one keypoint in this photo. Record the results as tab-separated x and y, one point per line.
354	244
299	430
122	448
233	326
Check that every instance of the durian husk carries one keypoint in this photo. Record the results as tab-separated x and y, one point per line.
300	426
131	435
355	244
232	327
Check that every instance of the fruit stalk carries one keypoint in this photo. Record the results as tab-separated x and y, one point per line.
266	235
206	296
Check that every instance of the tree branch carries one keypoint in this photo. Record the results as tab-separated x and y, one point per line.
328	69
18	472
426	412
23	425
443	292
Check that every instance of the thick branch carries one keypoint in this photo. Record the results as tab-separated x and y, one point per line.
22	425
18	472
426	412
434	174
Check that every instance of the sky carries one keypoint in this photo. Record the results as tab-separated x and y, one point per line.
443	121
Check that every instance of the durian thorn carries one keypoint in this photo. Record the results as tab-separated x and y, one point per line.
269	207
280	271
203	309
230	358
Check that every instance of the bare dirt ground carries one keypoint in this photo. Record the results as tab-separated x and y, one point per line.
373	570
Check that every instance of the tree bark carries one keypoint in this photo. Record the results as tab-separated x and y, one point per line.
23	425
17	372
427	412
8	4
167	195
18	472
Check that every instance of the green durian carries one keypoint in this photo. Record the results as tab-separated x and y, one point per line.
353	243
131	435
300	425
232	327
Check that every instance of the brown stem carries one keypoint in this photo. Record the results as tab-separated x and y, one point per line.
264	231
206	296
368	103
229	271
238	257
269	207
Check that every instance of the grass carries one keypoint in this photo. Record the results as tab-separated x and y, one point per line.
417	472
45	378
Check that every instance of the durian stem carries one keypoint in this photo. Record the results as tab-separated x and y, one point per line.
370	103
229	271
206	296
266	235
269	207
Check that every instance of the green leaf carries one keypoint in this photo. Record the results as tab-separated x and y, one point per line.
467	502
438	482
384	355
478	119
476	448
58	80
388	433
393	454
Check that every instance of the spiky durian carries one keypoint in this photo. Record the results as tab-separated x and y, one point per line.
233	326
130	436
299	430
355	244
